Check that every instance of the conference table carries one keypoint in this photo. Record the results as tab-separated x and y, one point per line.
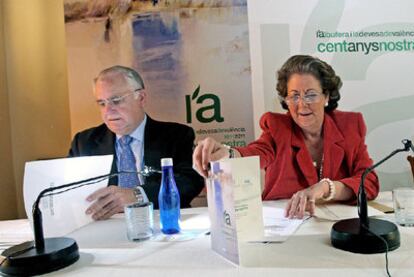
106	251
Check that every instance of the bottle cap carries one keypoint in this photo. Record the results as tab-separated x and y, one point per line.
166	162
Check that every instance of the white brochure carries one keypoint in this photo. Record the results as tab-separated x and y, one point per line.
235	206
65	212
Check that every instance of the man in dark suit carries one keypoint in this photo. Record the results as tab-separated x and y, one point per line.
121	96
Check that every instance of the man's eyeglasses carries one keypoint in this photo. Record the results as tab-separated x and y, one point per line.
308	98
116	100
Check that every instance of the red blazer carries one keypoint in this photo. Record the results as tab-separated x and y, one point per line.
288	163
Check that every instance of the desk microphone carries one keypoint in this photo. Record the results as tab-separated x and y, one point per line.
367	235
46	255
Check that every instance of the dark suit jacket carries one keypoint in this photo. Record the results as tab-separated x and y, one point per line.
288	163
161	140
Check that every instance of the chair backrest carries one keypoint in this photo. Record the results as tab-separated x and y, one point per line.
411	161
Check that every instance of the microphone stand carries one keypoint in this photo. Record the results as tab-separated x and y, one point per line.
46	255
364	234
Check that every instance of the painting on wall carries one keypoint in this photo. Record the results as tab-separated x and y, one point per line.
193	56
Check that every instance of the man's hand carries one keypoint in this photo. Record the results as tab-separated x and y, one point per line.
109	201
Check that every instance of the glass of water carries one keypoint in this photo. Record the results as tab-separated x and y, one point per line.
403	199
139	221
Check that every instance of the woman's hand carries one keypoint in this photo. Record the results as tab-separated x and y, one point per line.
304	200
208	150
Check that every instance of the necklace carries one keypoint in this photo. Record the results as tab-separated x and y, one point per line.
320	168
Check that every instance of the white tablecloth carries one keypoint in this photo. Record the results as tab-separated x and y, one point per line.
105	251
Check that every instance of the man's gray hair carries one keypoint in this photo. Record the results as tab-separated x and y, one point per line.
130	75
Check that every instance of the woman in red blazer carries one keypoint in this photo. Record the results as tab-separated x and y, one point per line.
311	153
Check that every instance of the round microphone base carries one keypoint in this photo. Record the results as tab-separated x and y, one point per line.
349	235
25	260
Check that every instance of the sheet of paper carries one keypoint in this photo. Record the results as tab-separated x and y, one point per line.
335	212
276	223
278	228
65	212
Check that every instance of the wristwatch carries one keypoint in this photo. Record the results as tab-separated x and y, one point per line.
140	195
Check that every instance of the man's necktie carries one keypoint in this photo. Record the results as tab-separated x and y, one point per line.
127	163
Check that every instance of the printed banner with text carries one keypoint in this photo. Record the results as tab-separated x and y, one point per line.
370	45
193	56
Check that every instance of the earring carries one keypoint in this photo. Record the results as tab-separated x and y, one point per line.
326	104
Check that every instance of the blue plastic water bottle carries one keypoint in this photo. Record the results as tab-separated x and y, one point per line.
169	199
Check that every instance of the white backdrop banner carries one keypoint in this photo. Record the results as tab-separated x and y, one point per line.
370	44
